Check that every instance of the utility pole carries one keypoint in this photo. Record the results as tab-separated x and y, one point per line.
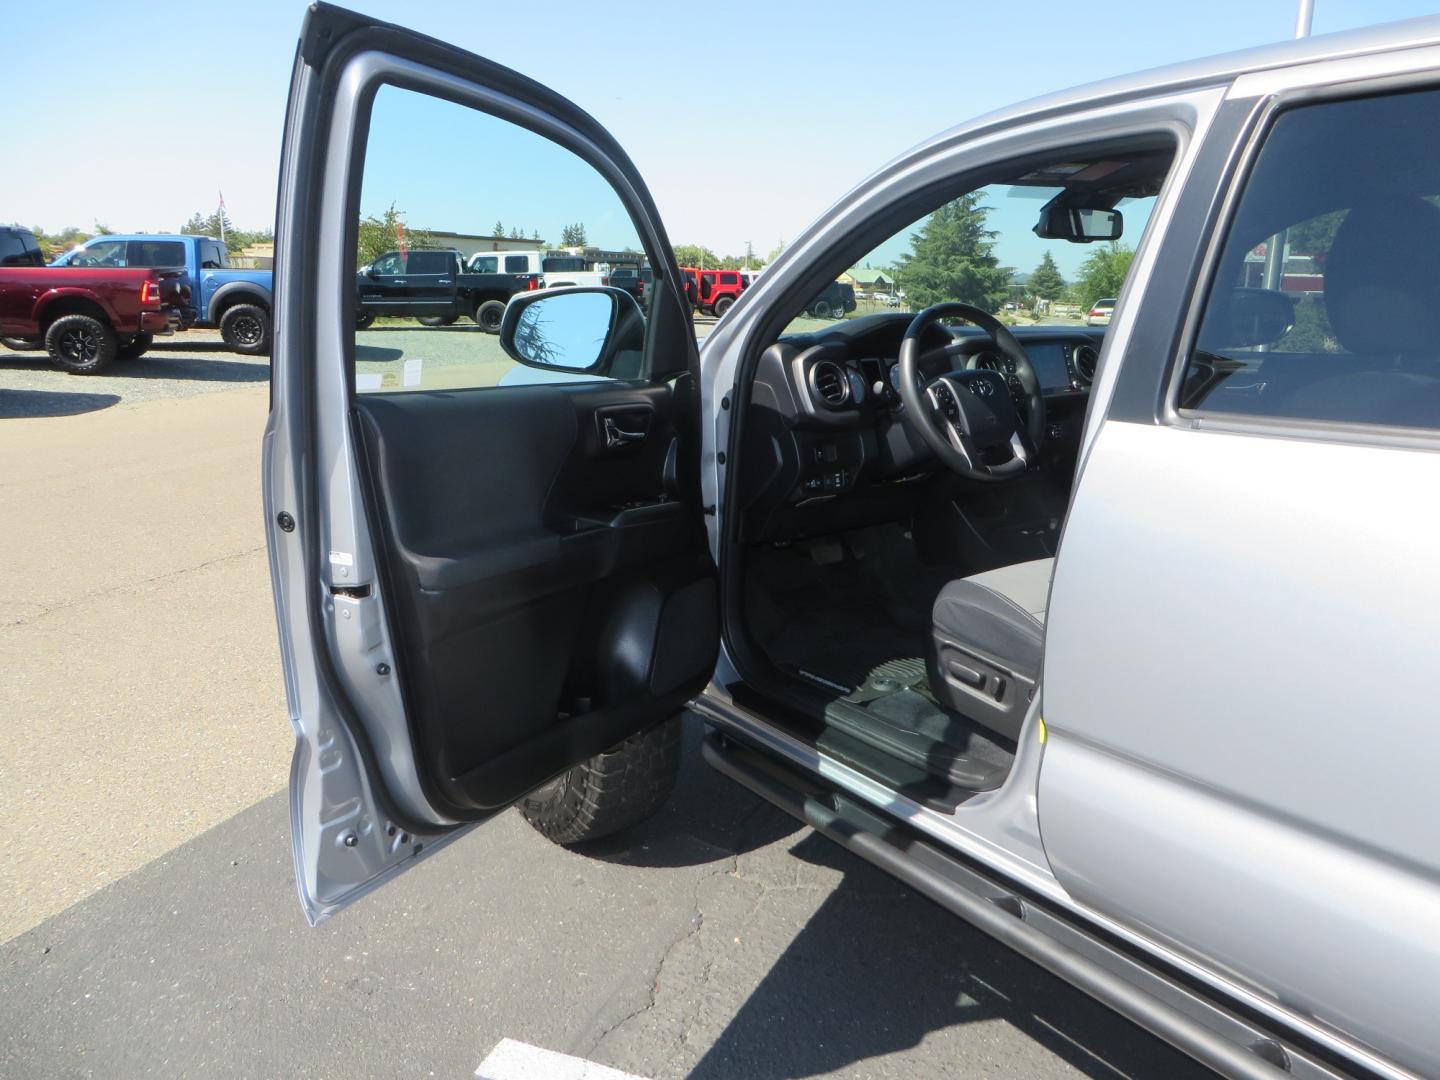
747	254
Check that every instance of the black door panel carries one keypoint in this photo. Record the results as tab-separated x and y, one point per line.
544	584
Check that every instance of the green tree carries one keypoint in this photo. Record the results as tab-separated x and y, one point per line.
377	235
210	225
1315	236
573	235
695	255
515	233
498	229
1045	281
53	244
952	257
1102	274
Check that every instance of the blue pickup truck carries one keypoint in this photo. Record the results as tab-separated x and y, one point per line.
236	301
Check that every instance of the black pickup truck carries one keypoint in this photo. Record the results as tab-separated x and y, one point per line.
430	285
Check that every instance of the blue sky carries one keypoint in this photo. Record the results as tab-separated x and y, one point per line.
746	120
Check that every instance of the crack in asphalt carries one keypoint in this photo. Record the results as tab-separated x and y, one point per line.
101	594
697	923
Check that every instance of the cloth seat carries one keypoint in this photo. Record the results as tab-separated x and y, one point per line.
987	639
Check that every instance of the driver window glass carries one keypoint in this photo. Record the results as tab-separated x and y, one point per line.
105	253
981	249
447	193
1326	302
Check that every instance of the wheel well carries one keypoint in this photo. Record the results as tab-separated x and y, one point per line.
229	300
70	305
482	298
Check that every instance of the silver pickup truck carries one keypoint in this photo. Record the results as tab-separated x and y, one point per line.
1117	641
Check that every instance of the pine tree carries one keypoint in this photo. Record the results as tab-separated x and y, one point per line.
498	229
573	235
1046	281
952	258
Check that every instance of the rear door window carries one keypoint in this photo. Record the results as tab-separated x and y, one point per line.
1325	305
161	253
485	264
12	249
435	263
517	264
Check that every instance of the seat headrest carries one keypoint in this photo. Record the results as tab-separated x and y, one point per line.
1382	279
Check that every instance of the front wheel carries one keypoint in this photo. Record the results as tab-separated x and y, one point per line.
246	329
612	791
80	344
22	344
363	319
488	315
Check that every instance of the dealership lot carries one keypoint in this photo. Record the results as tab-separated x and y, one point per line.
143	753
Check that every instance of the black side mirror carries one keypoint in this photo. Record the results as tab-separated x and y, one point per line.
1079	224
581	328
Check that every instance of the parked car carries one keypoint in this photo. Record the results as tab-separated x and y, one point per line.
235	301
18	247
552	269
1100	312
86	318
430	285
633	279
719	289
1160	724
835	301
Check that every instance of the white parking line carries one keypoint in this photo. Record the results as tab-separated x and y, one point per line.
513	1060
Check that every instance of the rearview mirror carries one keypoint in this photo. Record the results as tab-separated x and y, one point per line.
582	328
1079	224
1246	318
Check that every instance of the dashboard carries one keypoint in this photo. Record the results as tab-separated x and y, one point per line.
827	445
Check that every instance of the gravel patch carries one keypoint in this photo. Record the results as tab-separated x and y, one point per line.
181	366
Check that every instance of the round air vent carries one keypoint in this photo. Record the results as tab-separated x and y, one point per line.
830	384
1085	360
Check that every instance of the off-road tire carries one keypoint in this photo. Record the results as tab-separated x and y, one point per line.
21	344
246	329
363	319
612	791
435	320
135	348
724	304
821	309
80	344
488	315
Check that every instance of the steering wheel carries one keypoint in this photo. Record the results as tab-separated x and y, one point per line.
968	417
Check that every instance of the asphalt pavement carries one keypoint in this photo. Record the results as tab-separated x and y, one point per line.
150	923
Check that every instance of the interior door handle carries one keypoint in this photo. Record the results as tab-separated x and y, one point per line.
617	436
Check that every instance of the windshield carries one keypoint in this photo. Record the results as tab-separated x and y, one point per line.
981	249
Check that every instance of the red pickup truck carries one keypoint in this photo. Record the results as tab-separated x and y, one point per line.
87	317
